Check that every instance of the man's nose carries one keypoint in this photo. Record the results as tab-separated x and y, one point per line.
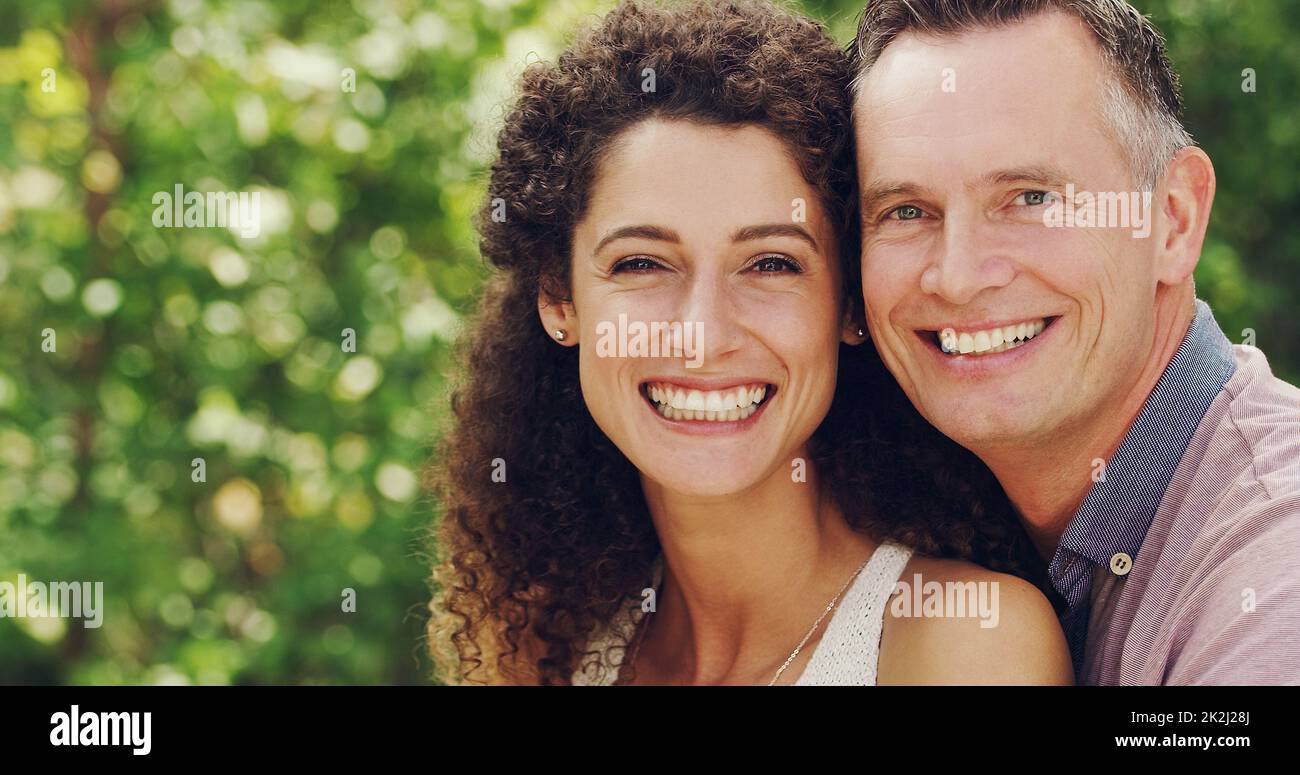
965	261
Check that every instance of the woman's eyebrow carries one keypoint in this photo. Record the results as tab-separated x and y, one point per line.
774	230
646	231
642	231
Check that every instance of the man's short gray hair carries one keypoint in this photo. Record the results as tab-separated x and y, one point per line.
1141	104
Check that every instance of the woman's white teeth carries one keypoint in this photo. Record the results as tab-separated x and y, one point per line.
991	340
677	403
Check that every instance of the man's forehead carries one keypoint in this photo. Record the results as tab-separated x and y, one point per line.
1045	54
985	99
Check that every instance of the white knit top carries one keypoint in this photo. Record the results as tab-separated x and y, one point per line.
846	655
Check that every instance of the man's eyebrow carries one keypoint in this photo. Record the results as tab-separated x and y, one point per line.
643	231
881	190
774	230
1039	174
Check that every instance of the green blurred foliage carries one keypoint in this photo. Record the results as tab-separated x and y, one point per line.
172	345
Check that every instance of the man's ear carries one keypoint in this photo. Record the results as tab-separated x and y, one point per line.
558	318
1189	187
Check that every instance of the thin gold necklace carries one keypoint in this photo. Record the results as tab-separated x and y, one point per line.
829	606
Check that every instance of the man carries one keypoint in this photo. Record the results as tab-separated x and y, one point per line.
1032	215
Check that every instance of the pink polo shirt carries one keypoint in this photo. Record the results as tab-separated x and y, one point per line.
1213	595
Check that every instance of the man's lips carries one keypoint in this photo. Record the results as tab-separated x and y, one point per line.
983	340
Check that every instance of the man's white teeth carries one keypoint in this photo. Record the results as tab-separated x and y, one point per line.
991	340
678	403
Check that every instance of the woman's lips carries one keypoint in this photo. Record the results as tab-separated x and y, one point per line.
721	410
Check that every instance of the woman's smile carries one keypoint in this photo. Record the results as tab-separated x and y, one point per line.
696	408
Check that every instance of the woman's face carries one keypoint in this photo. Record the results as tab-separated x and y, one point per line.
710	233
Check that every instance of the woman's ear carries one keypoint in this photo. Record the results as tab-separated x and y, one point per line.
852	330
558	318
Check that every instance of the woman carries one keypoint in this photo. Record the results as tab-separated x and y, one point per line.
766	479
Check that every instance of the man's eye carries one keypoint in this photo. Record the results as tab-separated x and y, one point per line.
635	265
1033	198
775	264
906	213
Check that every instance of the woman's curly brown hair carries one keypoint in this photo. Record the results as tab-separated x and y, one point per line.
545	531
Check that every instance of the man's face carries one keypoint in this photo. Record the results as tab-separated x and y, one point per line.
958	139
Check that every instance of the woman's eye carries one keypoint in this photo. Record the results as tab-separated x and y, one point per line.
636	265
1032	198
775	264
906	213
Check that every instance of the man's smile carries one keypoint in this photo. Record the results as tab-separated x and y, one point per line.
980	339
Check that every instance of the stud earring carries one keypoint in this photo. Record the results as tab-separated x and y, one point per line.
861	332
560	334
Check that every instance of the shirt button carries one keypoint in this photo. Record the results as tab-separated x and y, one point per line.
1120	564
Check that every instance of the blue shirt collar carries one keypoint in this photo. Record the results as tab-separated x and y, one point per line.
1116	513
